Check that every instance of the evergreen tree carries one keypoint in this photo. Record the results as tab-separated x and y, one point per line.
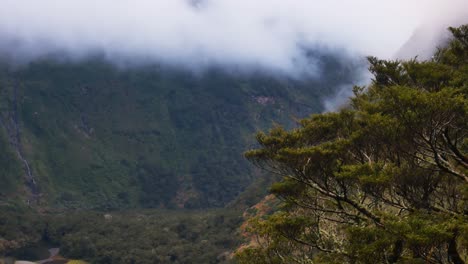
384	180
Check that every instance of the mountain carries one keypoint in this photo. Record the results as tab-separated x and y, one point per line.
91	135
427	38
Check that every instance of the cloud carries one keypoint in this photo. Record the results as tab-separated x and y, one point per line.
265	33
433	33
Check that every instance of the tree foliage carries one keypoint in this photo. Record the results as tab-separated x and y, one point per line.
384	180
136	236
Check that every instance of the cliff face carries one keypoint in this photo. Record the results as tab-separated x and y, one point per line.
88	135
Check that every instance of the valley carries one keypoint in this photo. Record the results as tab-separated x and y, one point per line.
152	146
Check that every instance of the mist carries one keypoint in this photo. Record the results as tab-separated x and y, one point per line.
433	33
267	34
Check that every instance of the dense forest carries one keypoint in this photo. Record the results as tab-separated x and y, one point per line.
132	236
145	165
383	180
88	134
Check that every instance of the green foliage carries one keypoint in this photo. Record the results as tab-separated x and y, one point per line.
146	236
10	170
382	181
19	228
143	236
100	137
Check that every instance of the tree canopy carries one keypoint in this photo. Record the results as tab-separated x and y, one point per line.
384	180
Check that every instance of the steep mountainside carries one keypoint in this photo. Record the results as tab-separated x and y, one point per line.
88	135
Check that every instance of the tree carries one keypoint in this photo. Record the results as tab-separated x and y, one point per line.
384	180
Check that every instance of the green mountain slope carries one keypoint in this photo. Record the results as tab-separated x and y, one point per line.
89	135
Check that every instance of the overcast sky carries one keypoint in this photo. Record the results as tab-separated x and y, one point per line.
265	33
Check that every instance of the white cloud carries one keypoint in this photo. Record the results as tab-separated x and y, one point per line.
227	32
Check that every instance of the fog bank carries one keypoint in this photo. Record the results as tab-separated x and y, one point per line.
264	33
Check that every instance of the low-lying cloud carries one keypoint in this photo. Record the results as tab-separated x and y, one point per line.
263	33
